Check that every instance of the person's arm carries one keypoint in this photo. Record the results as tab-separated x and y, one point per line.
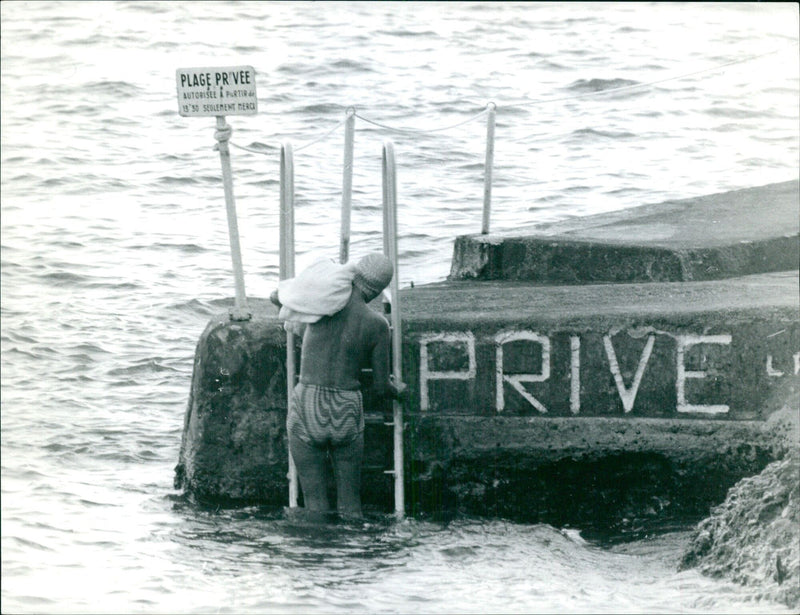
383	384
274	298
298	328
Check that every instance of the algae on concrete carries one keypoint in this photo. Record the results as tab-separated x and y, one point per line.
753	537
234	438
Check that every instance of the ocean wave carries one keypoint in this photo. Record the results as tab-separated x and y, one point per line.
652	66
319	108
264	183
151	8
186	180
623	191
247	49
83	41
65	108
584	86
294	68
406	33
89	347
144	366
69	278
70	377
552	65
412	253
63	278
23	542
731	112
115	285
513	111
33	353
458	109
112	88
16	336
186	248
25	177
193	306
226	302
584	133
352	65
54	182
787	138
629	29
267	147
578	188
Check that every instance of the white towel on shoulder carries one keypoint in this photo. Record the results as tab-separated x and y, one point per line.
322	289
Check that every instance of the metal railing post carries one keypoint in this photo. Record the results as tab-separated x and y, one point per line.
287	212
390	250
488	167
347	185
287	271
240	310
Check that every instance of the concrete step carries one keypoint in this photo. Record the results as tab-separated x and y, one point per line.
731	234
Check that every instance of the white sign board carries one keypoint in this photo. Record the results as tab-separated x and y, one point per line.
227	90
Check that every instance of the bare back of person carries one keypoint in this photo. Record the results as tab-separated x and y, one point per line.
338	347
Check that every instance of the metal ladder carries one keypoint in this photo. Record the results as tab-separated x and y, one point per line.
287	270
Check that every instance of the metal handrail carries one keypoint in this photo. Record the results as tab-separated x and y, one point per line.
390	251
286	270
488	167
347	185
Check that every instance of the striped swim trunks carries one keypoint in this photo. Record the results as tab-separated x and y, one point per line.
324	415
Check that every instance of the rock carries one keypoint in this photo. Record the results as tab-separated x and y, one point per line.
753	537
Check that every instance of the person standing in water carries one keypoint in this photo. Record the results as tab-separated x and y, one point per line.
326	415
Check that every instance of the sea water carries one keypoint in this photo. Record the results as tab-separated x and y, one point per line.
115	254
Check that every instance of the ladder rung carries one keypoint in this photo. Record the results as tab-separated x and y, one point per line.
373	420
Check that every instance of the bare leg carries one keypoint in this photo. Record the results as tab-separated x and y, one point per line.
347	469
310	463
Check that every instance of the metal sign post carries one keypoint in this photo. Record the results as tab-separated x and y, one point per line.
217	92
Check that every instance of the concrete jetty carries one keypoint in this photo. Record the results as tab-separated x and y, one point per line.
545	390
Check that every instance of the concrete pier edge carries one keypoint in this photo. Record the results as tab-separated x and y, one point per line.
603	403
